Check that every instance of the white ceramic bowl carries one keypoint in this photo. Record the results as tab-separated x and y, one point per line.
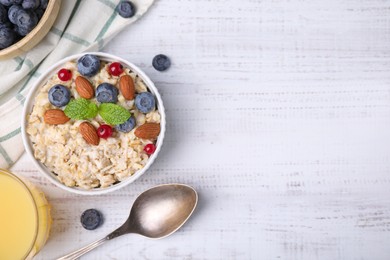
28	106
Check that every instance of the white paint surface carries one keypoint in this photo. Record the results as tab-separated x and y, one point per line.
278	113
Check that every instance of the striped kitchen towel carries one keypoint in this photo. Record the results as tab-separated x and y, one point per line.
82	25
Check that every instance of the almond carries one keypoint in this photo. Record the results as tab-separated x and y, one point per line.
55	117
148	131
84	87
126	85
88	131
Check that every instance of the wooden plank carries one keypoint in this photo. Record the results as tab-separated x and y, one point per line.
278	114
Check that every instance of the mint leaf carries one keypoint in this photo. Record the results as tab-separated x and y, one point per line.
81	109
92	110
113	114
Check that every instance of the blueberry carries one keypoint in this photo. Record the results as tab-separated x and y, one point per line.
12	13
91	219
3	14
43	4
88	65
106	93
161	62
145	102
31	4
125	9
39	12
59	95
26	21
126	126
21	31
6	2
10	2
6	25
7	36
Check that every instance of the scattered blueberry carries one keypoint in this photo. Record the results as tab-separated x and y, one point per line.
161	62
59	95
31	4
12	13
126	126
125	9
7	36
88	65
145	102
26	21
3	14
91	219
106	93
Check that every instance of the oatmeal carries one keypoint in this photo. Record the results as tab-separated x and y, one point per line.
94	123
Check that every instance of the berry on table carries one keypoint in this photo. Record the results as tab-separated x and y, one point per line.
149	149
107	93
126	126
145	102
91	219
64	74
115	69
161	62
104	131
88	65
125	9
59	95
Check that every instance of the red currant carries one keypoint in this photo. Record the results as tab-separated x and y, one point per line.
115	69
64	74
104	131
150	148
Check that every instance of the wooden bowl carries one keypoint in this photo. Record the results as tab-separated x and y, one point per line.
36	35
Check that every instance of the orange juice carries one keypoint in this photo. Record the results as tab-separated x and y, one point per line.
24	218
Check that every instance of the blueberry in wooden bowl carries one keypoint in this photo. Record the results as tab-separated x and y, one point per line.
24	23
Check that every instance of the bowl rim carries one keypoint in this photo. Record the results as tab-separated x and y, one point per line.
36	35
29	102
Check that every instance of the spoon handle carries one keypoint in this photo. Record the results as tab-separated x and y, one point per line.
83	250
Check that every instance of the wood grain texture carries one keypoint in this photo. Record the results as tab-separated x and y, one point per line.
278	113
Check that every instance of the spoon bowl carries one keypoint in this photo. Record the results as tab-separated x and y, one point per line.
156	213
160	211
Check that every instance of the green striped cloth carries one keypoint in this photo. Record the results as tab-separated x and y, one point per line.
82	25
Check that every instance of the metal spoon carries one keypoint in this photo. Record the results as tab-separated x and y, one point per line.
156	213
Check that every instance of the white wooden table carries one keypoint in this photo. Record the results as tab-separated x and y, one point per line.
278	114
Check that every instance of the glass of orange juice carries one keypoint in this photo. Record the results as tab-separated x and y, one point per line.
24	218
